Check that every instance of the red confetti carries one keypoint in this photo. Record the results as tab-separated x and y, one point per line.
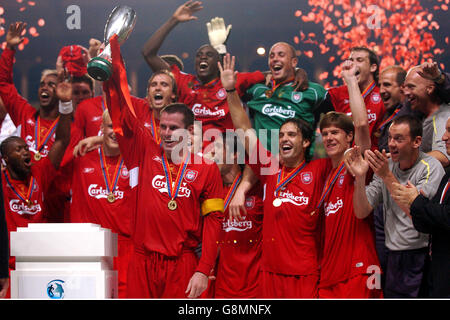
21	10
399	31
31	3
298	13
2	11
41	22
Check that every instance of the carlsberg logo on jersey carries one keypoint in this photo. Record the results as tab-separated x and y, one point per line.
32	144
159	183
19	207
202	111
98	192
332	208
299	200
237	225
278	111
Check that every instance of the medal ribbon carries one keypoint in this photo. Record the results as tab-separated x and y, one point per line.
274	86
444	192
332	177
391	117
281	182
27	198
232	190
171	190
369	89
48	135
105	171
154	131
211	83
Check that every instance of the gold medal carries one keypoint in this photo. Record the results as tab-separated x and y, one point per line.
277	202
172	205
37	156
111	198
377	133
29	203
268	93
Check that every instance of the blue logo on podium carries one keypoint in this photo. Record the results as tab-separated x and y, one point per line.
55	289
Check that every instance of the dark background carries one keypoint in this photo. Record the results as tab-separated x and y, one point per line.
255	23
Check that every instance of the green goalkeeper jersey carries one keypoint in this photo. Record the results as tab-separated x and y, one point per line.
271	109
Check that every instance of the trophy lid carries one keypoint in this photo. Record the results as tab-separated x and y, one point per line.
121	21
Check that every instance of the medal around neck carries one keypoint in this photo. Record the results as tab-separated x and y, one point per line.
172	205
37	156
277	202
111	198
121	21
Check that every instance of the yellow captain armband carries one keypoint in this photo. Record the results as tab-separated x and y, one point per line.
211	205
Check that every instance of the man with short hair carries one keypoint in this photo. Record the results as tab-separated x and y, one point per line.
203	92
407	247
101	194
82	89
27	183
367	66
432	215
273	103
178	198
423	96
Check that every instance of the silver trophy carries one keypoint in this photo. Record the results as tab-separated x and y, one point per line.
121	21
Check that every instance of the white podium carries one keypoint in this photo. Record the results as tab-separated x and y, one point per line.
63	261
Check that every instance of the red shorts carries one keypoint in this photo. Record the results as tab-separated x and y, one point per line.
353	288
153	275
289	286
125	250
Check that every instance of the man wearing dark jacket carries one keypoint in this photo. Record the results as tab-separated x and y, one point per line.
433	217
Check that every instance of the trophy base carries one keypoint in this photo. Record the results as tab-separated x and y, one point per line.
99	69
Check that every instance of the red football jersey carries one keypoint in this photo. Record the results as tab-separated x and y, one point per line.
290	231
38	133
90	192
348	242
374	105
209	101
156	227
238	268
18	212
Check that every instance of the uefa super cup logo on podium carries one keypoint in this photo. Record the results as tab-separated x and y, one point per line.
121	22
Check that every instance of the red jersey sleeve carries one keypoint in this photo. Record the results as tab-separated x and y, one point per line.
17	107
212	208
245	80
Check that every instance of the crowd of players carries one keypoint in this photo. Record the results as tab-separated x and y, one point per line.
213	181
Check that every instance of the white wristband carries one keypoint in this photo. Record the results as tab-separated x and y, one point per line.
65	107
221	48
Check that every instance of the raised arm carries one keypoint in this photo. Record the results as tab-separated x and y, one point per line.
62	134
150	50
357	106
238	115
358	168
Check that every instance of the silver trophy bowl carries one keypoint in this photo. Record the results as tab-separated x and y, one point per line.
121	21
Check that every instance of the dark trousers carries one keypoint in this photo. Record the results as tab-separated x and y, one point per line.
382	251
405	273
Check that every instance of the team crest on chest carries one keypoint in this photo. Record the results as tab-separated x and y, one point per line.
124	173
306	177
296	97
190	175
221	94
341	180
376	98
250	202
